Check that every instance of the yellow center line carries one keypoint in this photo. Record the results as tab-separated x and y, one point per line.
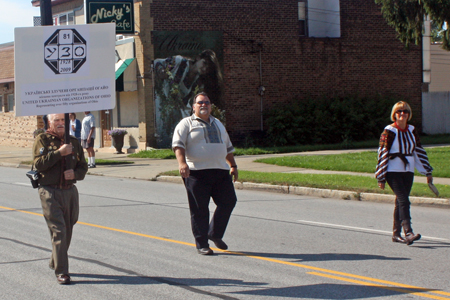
23	211
396	284
138	234
403	291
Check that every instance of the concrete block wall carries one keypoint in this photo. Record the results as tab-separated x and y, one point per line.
17	131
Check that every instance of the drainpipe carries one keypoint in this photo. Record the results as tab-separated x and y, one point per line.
426	63
261	88
426	49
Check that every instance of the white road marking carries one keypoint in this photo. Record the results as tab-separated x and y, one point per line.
364	229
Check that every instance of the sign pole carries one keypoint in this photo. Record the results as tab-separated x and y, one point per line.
46	12
47	20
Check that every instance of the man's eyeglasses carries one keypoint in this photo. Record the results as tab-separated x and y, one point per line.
203	102
402	111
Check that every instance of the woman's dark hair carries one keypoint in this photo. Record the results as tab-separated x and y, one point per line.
212	81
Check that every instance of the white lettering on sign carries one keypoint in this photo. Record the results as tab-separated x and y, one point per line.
104	13
122	25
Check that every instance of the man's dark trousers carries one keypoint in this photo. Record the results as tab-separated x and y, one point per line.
201	185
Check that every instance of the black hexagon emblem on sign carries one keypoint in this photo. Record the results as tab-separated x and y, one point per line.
65	51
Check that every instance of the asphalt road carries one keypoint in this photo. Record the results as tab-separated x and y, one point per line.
133	241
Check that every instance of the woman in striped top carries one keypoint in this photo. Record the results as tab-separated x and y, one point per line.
399	153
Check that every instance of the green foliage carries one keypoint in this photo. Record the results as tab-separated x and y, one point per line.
435	139
407	18
219	114
436	33
328	121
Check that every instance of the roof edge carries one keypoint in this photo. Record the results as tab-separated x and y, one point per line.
37	3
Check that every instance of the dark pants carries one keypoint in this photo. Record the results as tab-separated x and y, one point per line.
201	185
401	183
60	208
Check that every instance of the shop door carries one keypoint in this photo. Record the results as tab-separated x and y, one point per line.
105	121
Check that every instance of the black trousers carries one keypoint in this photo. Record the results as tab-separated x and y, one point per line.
401	183
201	185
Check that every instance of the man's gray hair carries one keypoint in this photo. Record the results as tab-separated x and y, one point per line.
50	117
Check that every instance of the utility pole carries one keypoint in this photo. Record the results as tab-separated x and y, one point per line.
47	20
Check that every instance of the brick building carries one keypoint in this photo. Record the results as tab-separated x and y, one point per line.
292	48
13	131
269	37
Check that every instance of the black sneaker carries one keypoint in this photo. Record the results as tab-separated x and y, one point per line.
219	243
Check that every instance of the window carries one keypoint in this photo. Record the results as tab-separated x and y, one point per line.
64	19
1	103
10	104
302	19
319	18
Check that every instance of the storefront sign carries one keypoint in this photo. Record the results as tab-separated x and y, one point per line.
120	12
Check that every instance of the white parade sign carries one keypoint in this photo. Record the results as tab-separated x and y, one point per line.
62	69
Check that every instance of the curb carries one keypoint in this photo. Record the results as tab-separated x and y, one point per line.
13	165
323	193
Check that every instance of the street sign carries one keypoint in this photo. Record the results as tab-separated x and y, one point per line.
62	69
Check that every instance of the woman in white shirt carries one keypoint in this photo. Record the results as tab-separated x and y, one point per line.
399	153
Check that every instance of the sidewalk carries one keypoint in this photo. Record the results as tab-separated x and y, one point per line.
148	169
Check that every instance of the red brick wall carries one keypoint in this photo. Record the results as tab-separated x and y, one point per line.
367	59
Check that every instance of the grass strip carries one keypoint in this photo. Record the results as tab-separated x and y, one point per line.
97	162
112	162
155	153
253	150
358	184
357	162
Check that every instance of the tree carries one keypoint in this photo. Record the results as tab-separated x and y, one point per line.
407	18
436	33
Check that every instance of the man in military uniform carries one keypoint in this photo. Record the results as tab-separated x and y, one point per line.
60	166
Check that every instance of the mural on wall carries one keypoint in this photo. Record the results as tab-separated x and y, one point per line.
186	63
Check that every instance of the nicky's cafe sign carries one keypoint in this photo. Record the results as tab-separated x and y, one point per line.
120	12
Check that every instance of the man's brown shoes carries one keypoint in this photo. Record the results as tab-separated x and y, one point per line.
398	239
63	279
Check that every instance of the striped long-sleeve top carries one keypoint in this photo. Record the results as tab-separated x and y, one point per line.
401	151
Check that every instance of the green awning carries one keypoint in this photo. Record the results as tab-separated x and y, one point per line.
123	66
